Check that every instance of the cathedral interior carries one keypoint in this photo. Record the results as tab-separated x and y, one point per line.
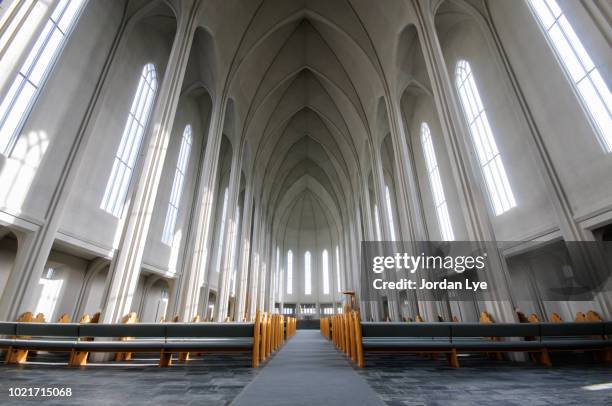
221	166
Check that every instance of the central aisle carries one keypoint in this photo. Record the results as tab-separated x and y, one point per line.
308	370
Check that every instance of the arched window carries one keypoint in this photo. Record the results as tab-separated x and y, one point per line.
338	269
493	170
579	66
435	181
289	272
390	212
133	134
221	232
307	274
177	186
22	94
325	263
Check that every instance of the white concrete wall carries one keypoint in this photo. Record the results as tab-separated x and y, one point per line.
533	213
143	45
41	150
582	165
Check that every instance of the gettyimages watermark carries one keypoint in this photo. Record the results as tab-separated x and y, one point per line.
477	270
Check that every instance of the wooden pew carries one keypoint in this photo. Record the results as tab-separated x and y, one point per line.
454	338
555	318
79	358
20	356
184	356
521	317
580	317
167	338
592	315
486	318
127	319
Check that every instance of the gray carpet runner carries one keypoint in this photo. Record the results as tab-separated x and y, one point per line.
308	370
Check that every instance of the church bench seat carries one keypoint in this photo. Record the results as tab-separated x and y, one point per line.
574	336
259	338
584	330
7	328
140	330
186	330
394	329
48	330
483	345
453	338
7	334
407	344
209	336
471	330
138	345
203	344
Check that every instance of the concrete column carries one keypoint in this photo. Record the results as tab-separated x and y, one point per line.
379	195
255	265
467	177
409	207
230	235
385	223
264	276
125	266
244	252
195	274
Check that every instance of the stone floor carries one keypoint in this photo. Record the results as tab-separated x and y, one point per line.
412	380
212	380
397	380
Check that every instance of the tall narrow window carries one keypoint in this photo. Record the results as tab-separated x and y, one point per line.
435	181
498	186
22	94
390	212
307	274
289	272
579	66
133	134
325	263
177	187
338	269
221	232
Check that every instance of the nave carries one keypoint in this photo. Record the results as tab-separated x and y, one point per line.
189	184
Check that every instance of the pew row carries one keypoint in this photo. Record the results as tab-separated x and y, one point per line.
355	338
260	338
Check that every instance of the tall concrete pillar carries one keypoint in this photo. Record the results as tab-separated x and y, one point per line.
467	177
126	264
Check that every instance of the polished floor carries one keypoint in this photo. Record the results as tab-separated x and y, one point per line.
309	371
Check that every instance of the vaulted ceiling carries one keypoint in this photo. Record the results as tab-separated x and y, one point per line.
306	84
